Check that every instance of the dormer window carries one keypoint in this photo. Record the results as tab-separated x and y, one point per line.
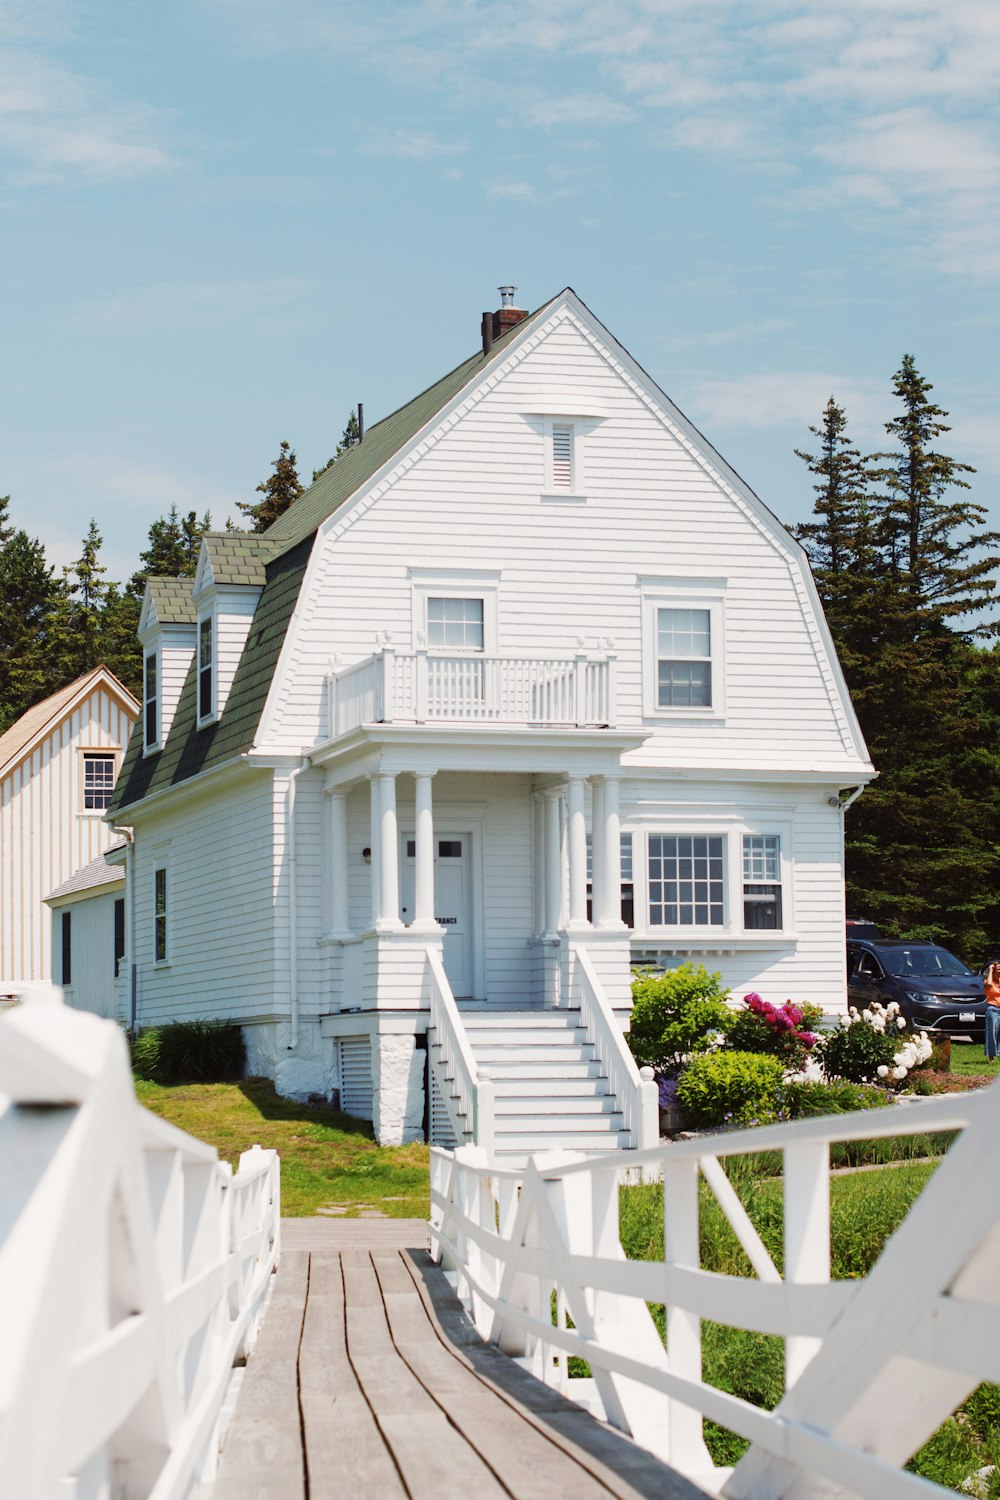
151	703
206	669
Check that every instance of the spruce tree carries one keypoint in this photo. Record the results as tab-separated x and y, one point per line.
29	593
78	617
280	490
348	438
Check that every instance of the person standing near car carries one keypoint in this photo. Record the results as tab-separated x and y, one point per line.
991	984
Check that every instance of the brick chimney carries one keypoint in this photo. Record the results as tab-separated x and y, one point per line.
506	315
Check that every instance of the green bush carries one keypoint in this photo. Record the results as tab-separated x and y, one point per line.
731	1088
190	1052
856	1051
785	1031
676	1015
839	1097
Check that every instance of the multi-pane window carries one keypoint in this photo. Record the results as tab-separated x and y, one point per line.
762	881
151	702
206	668
98	781
628	889
160	915
455	624
119	934
683	658
686	880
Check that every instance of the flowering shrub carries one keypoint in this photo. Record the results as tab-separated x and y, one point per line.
676	1014
776	1030
731	1088
867	1047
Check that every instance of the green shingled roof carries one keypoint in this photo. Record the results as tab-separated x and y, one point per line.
189	749
171	599
239	557
381	441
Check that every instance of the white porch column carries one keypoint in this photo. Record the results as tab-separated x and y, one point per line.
388	853
577	853
374	835
538	871
596	846
553	860
611	869
339	915
423	915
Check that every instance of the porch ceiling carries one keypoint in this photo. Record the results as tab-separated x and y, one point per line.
403	748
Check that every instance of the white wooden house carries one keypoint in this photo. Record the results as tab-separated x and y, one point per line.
527	686
58	765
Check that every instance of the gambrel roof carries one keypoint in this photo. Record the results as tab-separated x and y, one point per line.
37	722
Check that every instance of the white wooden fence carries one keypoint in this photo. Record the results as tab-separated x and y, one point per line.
133	1271
467	1093
633	1087
873	1367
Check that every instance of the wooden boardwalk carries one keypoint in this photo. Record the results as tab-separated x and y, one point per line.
368	1379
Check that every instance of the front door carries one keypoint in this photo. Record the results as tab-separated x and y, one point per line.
452	902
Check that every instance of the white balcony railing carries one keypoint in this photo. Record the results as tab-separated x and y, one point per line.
424	686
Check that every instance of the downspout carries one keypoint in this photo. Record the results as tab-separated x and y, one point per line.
130	907
293	949
849	801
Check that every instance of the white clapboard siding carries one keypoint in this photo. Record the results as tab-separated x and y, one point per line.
175	644
92	987
570	570
356	1076
234	617
45	832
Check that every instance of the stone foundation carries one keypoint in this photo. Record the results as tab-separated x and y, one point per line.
308	1070
398	1084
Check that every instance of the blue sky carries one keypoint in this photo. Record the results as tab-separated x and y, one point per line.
223	222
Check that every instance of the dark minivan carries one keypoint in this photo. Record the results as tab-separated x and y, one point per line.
935	991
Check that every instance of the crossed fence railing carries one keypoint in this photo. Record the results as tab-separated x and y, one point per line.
134	1268
873	1367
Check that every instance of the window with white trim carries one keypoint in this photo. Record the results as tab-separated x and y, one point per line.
98	780
762	882
628	888
151	701
206	669
686	880
683	647
160	915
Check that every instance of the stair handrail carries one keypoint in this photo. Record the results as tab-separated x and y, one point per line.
475	1090
634	1087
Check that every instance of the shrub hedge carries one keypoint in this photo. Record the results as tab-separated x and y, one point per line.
190	1052
731	1088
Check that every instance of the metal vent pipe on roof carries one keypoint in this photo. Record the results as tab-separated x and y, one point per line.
361	421
506	295
487	332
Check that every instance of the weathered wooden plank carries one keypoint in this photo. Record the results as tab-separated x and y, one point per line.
345	1234
618	1464
433	1458
528	1463
346	1454
262	1458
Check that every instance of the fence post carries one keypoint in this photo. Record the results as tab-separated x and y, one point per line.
807	1235
483	1111
681	1247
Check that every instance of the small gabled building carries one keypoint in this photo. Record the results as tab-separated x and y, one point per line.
527	687
58	767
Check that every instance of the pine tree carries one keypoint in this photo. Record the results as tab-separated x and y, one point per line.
350	435
29	593
936	545
77	619
280	490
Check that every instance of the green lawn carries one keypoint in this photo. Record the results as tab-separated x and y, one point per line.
328	1159
968	1058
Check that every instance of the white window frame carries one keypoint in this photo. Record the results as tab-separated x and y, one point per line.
778	884
576	489
162	865
732	828
152	746
683	593
209	619
455	583
96	752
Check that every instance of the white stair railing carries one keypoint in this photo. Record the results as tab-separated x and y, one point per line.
134	1267
467	1091
633	1087
873	1367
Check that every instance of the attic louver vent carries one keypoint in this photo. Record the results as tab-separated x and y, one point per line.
562	457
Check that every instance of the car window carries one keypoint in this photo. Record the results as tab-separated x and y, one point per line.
927	961
869	966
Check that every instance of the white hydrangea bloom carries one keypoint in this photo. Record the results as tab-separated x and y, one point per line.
883	1071
899	1072
901	1023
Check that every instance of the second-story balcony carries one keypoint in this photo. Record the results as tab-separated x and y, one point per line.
430	687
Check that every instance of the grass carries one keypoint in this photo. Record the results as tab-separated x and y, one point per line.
327	1158
969	1059
865	1209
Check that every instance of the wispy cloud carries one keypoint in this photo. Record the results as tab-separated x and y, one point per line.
780	399
413	145
198	306
520	192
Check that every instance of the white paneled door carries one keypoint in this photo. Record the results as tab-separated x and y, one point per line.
452	902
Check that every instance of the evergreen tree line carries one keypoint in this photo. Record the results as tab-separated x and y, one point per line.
53	627
905	566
